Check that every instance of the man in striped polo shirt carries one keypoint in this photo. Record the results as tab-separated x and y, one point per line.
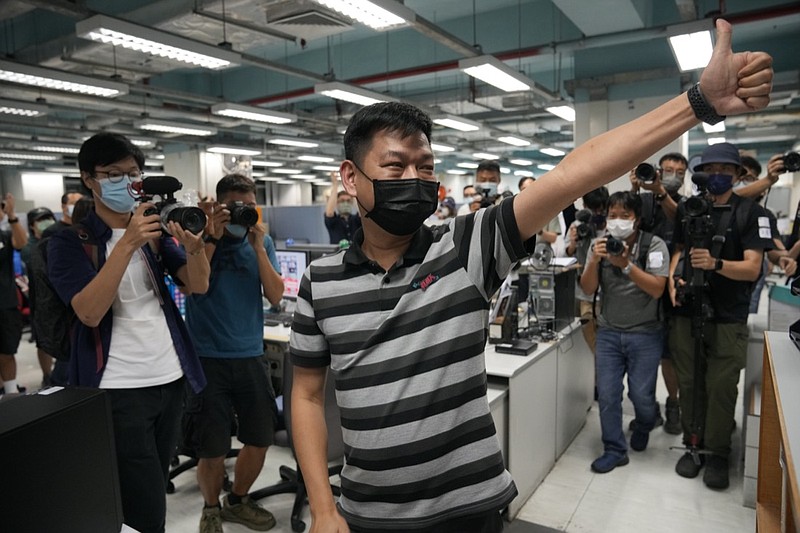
401	316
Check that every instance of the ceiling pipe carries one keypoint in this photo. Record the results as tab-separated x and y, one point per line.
585	43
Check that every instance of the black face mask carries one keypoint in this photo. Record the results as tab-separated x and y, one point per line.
402	205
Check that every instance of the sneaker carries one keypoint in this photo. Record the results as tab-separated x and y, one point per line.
673	413
248	513
639	440
210	520
686	466
716	474
608	462
659	419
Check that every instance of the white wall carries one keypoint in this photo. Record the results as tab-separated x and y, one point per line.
41	189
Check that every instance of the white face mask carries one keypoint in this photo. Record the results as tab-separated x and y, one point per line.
620	228
70	210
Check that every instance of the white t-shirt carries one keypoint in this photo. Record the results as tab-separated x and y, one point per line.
141	353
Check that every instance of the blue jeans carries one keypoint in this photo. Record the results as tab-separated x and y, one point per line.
638	354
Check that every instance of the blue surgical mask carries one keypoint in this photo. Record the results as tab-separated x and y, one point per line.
117	196
237	230
719	183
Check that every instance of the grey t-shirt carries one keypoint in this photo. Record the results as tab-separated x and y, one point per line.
626	306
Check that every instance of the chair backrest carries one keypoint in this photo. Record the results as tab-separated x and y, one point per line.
332	420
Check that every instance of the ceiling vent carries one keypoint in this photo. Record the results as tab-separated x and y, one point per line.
309	18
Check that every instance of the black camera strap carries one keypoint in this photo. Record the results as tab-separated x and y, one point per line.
642	248
718	240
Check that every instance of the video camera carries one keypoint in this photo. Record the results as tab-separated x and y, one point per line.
645	172
191	219
585	229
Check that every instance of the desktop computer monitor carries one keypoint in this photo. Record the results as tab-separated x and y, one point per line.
315	250
293	263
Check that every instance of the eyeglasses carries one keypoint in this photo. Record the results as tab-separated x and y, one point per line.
115	176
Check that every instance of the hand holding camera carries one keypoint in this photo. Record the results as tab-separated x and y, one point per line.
701	259
613	249
7	205
144	226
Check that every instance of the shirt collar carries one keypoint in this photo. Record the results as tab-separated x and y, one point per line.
416	252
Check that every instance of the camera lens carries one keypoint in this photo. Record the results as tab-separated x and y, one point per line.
696	206
615	246
583	231
645	172
243	215
791	162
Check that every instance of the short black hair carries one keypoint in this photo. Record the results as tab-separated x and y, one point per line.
628	200
752	163
673	156
523	180
468	186
235	183
82	208
65	196
488	164
596	199
105	149
396	117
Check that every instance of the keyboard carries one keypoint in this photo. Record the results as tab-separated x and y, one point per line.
277	319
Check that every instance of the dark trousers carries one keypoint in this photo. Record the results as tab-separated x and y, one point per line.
723	356
482	523
146	423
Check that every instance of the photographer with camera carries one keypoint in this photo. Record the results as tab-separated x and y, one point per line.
659	207
630	267
227	328
129	337
725	236
590	223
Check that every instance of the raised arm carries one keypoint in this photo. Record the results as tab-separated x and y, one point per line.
732	84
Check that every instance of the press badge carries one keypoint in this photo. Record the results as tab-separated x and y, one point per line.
763	222
655	259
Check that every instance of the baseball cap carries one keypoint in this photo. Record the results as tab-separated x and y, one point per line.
724	153
39	213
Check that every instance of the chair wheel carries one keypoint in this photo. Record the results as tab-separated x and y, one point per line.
170	487
298	525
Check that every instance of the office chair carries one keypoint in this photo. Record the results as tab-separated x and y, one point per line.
292	478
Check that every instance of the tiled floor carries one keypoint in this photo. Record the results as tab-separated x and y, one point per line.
644	496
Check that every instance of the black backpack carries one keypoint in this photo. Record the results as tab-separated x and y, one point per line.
52	318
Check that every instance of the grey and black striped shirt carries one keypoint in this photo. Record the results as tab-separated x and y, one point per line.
406	348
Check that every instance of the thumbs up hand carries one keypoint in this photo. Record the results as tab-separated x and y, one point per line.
736	83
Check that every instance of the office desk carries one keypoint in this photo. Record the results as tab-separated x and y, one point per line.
548	395
538	402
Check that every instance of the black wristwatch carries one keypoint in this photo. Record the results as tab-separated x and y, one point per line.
210	239
718	265
660	197
13	220
704	111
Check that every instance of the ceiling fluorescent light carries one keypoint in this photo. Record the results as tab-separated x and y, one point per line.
485	155
692	51
150	41
153	163
13	107
457	123
142	143
456	172
524	173
326	168
521	162
58	80
62	170
232	150
266	164
467	165
563	111
514	141
716	128
257	114
56	149
10	163
377	14
293	142
351	93
171	127
545	167
555	152
287	182
715	140
287	171
28	156
491	70
438	147
316	159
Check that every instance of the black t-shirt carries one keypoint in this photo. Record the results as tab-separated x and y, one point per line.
340	227
8	284
655	219
730	298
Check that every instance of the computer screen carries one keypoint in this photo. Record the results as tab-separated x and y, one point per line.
315	250
293	263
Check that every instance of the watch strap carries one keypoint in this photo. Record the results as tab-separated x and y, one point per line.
13	220
704	111
718	265
628	268
210	239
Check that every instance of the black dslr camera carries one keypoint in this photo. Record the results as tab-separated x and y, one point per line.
791	162
191	219
615	247
584	229
645	172
242	214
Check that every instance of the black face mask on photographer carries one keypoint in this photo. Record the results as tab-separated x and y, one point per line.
401	205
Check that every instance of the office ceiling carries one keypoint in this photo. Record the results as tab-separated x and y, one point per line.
576	51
